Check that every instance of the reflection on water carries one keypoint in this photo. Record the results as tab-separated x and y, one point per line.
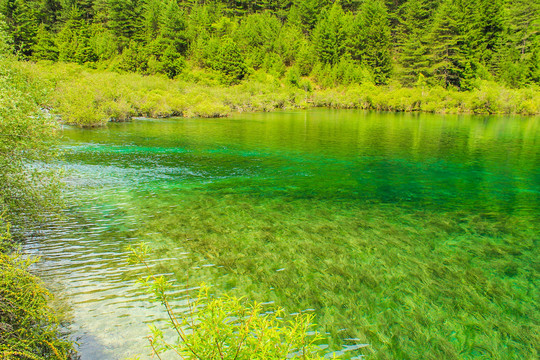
275	178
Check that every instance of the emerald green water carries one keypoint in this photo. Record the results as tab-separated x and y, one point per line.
414	233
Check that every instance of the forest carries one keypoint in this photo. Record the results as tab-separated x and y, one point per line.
454	44
439	263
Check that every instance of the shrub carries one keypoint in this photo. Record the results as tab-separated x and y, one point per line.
28	327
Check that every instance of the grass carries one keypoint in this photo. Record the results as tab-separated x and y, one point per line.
88	97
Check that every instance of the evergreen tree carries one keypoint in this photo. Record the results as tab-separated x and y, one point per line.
329	36
447	52
449	42
411	40
375	37
68	37
23	27
173	62
257	36
490	27
84	52
173	27
515	59
45	47
230	62
48	12
152	14
126	20
305	13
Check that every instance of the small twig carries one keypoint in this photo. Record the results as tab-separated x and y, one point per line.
150	339
245	334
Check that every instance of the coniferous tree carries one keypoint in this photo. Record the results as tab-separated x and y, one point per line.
230	62
305	13
68	37
48	12
448	42
173	27
152	14
23	27
329	36
411	40
126	20
491	28
257	36
84	52
45	47
446	39
376	37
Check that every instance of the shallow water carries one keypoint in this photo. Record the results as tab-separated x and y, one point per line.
414	233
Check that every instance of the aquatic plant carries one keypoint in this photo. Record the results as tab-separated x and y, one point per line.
226	327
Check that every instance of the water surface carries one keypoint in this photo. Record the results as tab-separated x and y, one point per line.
414	233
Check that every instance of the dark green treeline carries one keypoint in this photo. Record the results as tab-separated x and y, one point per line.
450	43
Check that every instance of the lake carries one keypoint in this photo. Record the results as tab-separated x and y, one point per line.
414	233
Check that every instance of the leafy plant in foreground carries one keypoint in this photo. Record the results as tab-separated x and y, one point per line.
28	328
226	327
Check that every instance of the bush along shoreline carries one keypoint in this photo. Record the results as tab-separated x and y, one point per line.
29	327
88	97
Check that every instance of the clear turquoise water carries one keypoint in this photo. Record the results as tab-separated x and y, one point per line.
414	233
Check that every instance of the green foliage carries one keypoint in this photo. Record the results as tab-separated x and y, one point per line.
452	43
45	47
375	35
28	136
256	35
329	35
227	327
23	27
88	97
173	28
230	62
126	20
28	328
413	51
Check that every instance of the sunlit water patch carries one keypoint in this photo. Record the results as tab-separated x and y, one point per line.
414	233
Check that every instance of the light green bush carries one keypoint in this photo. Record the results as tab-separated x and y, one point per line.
92	97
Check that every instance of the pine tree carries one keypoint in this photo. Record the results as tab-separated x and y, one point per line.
375	37
173	62
329	36
305	13
84	52
230	62
152	14
173	27
490	28
126	20
68	37
411	40
48	12
447	45
515	59
23	27
45	47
